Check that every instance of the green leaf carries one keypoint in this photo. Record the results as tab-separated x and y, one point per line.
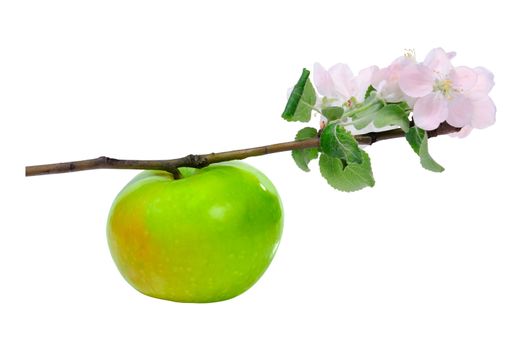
337	142
296	94
347	177
418	140
392	114
403	105
301	101
364	113
332	113
302	157
367	116
415	137
370	89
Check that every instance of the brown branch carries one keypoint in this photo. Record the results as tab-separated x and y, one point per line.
203	160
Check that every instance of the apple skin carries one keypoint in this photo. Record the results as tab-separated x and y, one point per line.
206	237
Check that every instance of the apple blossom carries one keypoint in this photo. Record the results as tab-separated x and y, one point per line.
339	86
386	80
457	95
408	96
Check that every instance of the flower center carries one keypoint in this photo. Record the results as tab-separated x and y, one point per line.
445	86
410	53
350	102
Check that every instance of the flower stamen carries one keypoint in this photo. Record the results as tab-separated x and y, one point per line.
445	87
410	53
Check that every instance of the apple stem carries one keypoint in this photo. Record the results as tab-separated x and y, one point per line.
203	160
176	173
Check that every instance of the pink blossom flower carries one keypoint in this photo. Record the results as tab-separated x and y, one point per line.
457	95
482	107
339	84
386	80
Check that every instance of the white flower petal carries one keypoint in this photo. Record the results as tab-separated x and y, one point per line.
416	80
463	78
363	81
484	113
323	81
430	111
342	77
439	61
484	83
460	111
465	131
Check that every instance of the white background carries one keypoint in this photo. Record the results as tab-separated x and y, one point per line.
421	261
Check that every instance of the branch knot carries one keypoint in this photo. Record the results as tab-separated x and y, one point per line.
196	161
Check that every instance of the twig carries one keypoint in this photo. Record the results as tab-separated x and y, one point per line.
203	160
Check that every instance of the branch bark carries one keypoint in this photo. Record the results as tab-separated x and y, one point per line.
203	160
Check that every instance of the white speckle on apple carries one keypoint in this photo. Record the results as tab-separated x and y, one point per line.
217	212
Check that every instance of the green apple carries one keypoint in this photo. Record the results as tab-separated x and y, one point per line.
205	237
